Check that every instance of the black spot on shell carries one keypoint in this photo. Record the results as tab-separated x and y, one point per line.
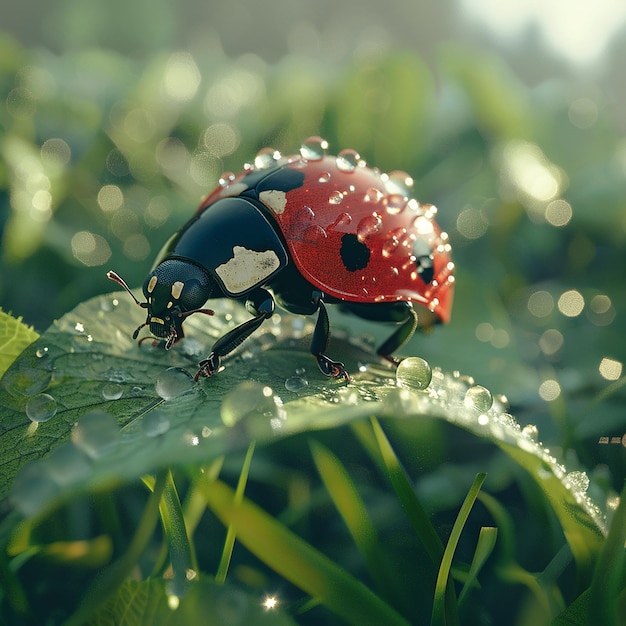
424	260
355	255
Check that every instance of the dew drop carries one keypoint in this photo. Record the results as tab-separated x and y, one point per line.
118	376
347	160
530	431
324	177
479	398
399	182
314	234
96	433
172	383
336	197
390	246
26	381
577	481
296	383
67	464
373	195
112	391
395	203
413	373
313	148
368	226
226	179
250	400
155	423
265	158
42	352
41	408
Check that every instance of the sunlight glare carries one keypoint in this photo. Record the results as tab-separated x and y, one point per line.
579	32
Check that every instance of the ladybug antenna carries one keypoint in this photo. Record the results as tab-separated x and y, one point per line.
114	276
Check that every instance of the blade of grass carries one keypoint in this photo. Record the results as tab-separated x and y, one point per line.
112	577
182	555
231	533
356	517
417	515
609	577
298	561
406	495
484	548
441	617
543	586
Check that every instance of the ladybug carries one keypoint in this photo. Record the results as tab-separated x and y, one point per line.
304	231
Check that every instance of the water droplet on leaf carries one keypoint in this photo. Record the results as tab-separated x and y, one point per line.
173	382
531	432
250	400
155	423
41	408
414	373
296	383
112	391
96	433
26	381
479	398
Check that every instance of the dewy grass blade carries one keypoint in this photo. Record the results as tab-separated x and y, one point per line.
484	548
355	515
231	533
609	578
182	556
299	562
407	496
440	616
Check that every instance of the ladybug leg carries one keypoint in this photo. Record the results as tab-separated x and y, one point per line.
319	343
261	304
400	336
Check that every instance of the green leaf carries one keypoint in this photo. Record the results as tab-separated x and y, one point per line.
148	603
93	376
14	337
135	603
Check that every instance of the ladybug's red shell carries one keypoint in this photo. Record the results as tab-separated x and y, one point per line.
354	234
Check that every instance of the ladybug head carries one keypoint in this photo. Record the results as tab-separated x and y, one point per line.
174	290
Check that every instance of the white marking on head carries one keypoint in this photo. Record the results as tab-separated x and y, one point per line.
177	289
247	269
152	284
274	199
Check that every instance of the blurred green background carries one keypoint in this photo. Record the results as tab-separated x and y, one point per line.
117	117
